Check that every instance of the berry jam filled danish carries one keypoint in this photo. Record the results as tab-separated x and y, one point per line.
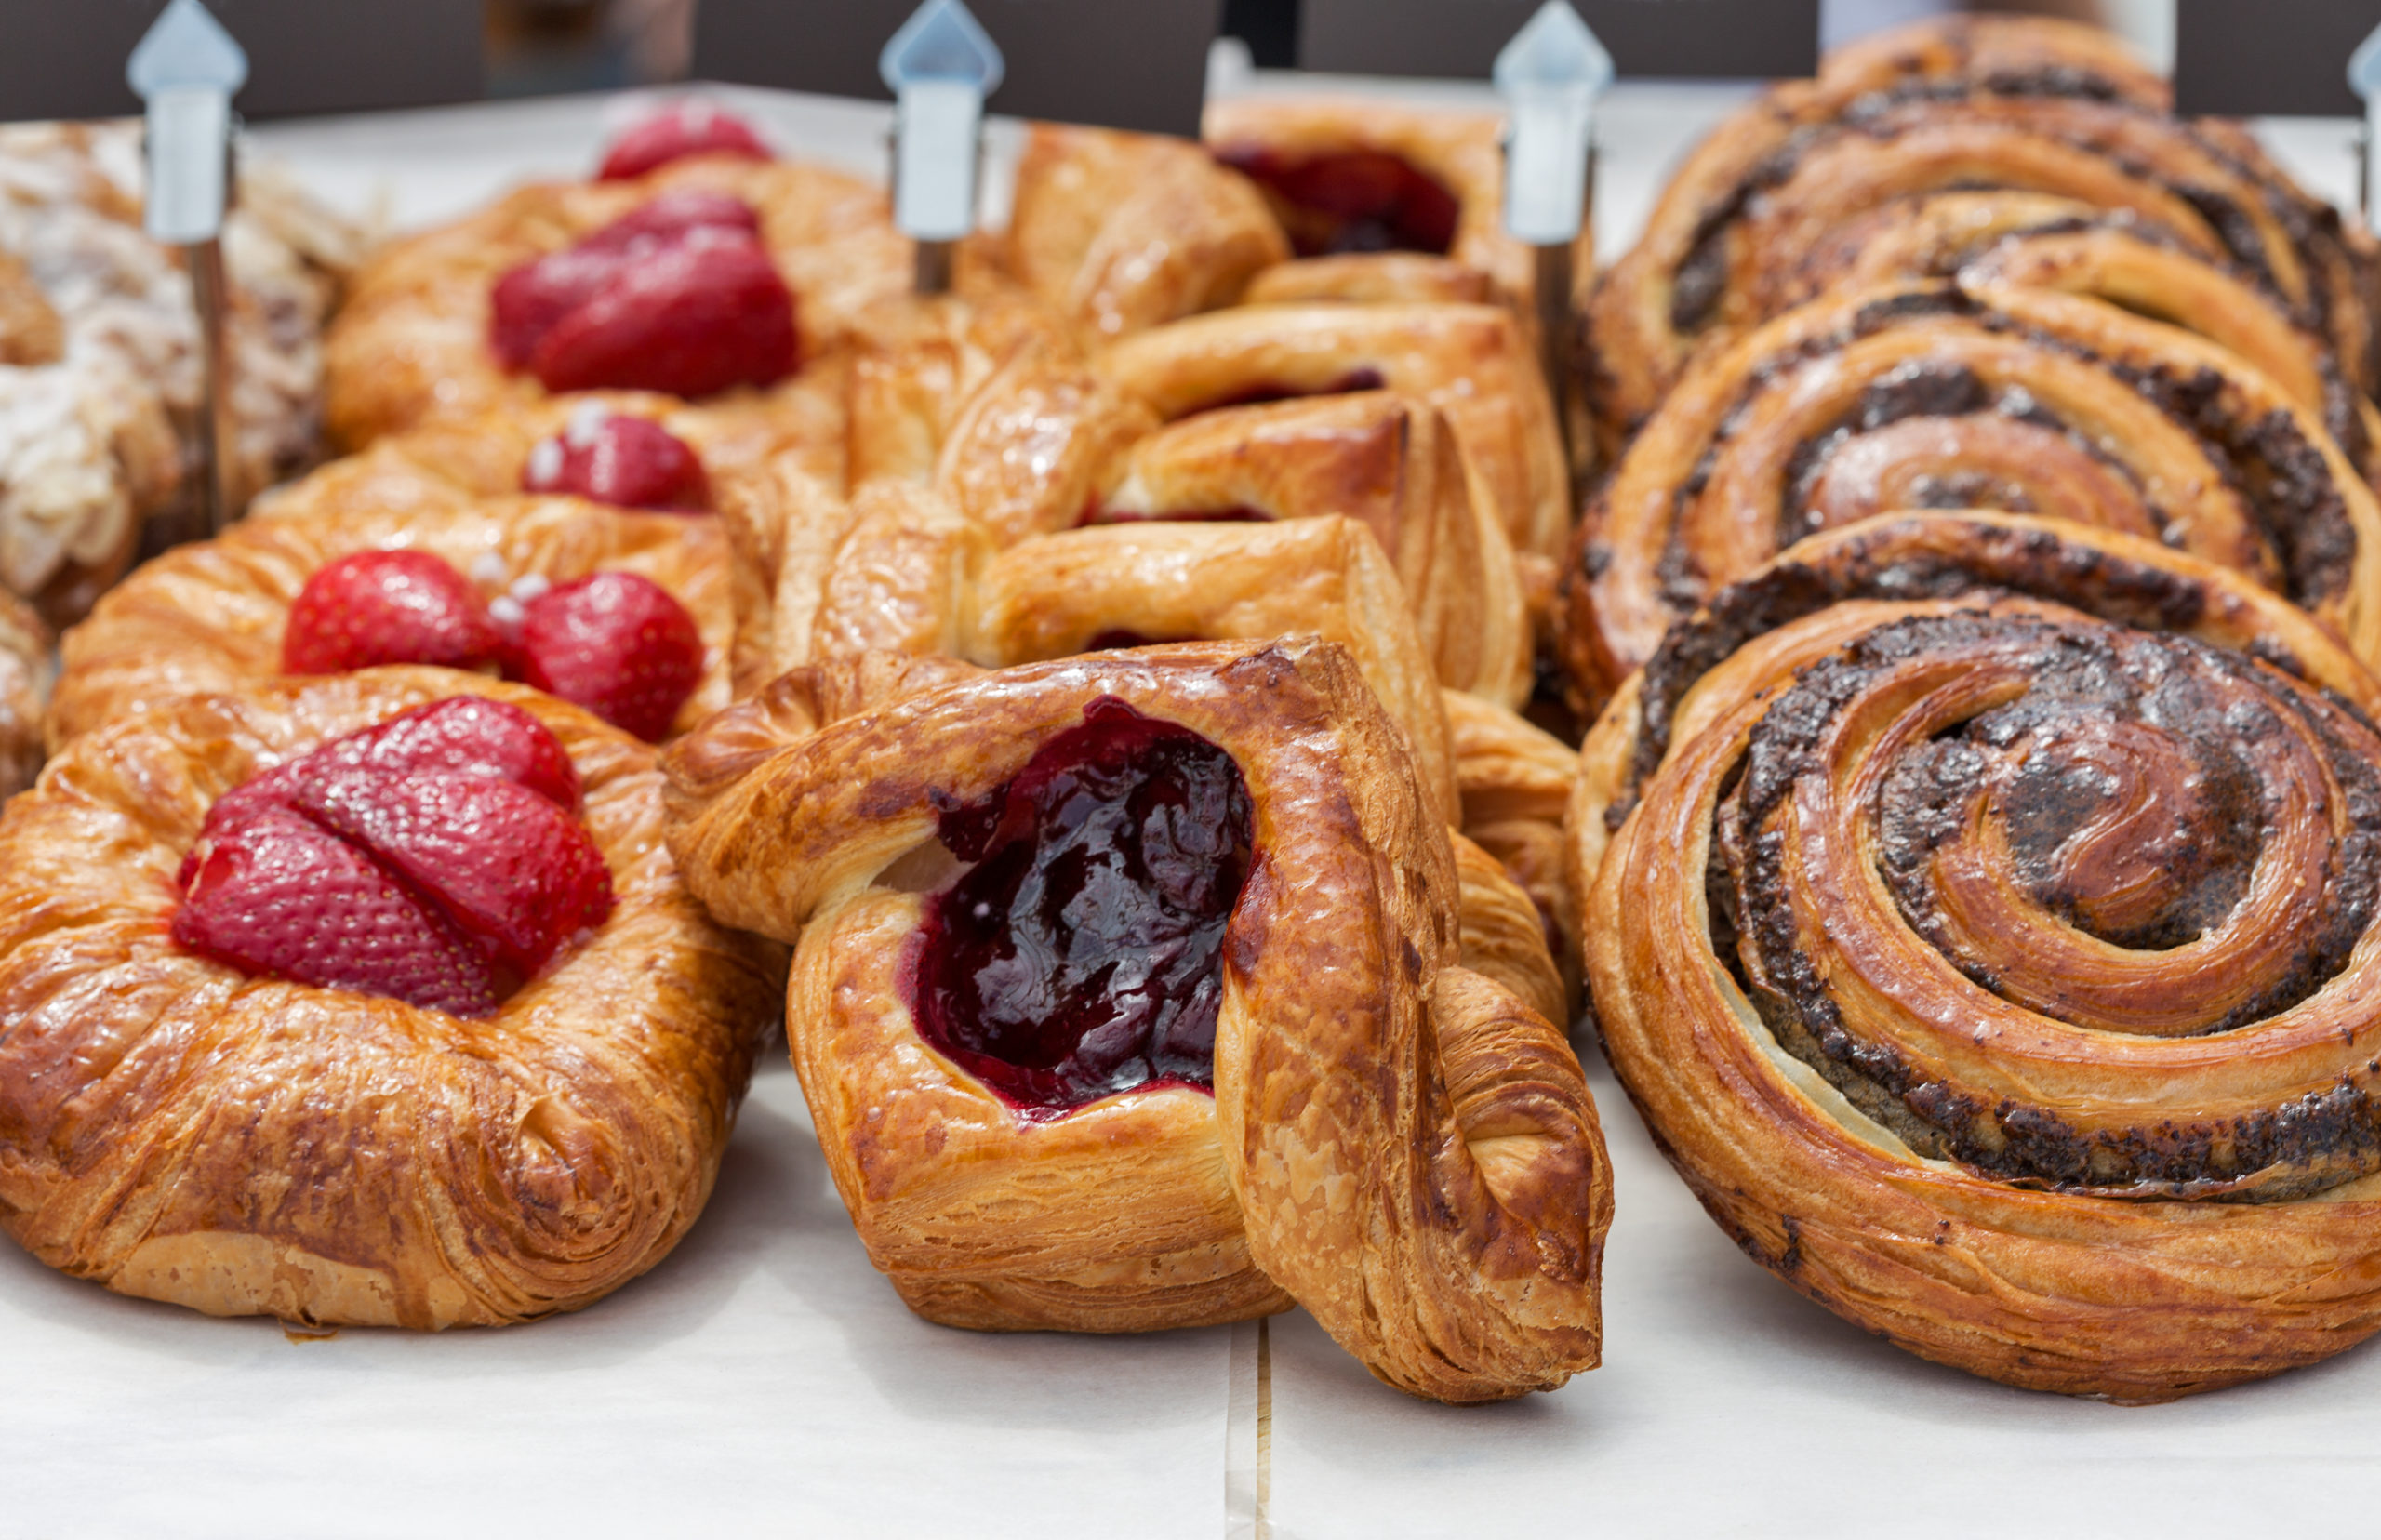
2023	105
1991	943
1252	1072
627	614
1964	395
364	1001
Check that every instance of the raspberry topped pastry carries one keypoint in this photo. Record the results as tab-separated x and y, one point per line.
628	614
380	1004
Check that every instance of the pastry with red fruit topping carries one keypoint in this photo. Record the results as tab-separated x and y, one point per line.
613	457
444	586
718	279
678	131
371	999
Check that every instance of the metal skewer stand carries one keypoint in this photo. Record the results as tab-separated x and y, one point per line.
186	68
940	67
1550	76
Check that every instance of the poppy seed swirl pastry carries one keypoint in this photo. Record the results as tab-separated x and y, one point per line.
1967	394
2032	240
183	1129
1992	946
1963	105
1293	1093
217	614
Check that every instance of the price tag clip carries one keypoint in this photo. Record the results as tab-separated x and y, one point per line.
186	69
1550	76
2364	76
940	66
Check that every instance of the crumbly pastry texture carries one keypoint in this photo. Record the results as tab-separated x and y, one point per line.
98	352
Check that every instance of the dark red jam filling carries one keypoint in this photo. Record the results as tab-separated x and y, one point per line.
1360	200
1080	954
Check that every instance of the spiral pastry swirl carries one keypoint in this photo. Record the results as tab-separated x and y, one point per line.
2016	105
2004	976
1974	393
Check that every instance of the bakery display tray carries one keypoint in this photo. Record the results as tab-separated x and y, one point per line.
764	1379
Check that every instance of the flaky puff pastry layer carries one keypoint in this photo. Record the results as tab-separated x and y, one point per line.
1395	1142
1471	362
989	402
2054	1191
179	1131
1122	231
1392	463
412	340
209	616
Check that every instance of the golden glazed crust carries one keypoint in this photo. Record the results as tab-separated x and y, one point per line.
1981	393
25	680
1122	232
2086	1190
411	342
1395	1142
1389	462
1471	362
210	616
988	401
180	1132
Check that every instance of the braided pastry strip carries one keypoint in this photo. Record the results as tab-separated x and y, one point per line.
178	1131
1978	395
1394	1142
2001	976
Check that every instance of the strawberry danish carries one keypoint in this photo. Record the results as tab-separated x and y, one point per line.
711	276
369	1001
628	614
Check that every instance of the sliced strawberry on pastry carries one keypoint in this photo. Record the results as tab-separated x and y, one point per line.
679	295
615	643
682	129
626	461
284	897
387	606
427	859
